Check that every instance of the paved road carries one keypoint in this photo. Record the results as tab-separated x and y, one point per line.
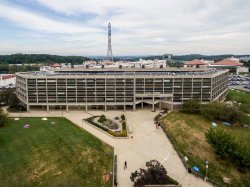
147	143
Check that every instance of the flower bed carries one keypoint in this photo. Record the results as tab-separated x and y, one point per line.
109	126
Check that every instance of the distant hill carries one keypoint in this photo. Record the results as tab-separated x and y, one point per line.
174	57
40	58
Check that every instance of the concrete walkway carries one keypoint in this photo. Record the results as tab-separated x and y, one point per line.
147	143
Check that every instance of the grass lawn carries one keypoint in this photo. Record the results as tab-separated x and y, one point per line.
46	154
187	133
241	97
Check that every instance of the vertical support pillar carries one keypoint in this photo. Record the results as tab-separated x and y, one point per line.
86	108
160	104
47	108
172	103
105	108
134	107
153	105
67	108
142	104
28	108
124	107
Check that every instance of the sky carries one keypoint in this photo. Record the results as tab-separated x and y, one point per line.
139	27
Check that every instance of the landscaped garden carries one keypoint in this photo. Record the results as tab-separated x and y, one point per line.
226	149
52	152
116	127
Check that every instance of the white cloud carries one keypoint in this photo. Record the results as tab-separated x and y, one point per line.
40	23
142	26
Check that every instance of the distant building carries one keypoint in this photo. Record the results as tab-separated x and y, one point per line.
7	80
232	64
56	65
195	64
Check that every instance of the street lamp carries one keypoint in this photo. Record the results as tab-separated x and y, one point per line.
206	170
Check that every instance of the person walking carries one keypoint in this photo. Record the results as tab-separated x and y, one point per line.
125	165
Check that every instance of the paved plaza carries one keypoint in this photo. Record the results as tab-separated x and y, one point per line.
147	143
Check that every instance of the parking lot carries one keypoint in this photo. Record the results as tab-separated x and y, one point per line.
239	82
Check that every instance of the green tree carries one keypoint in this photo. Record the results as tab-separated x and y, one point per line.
13	101
191	106
218	111
102	118
3	118
154	174
123	117
226	146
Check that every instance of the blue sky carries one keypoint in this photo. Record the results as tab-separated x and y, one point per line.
139	27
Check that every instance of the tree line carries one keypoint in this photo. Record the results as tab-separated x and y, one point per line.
40	58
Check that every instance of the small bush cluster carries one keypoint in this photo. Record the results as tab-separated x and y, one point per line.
3	118
102	118
90	120
123	117
123	125
227	146
118	134
115	134
212	111
218	111
191	107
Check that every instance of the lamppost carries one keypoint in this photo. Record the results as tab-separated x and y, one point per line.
206	170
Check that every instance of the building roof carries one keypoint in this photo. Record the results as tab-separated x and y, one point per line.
195	62
228	62
55	65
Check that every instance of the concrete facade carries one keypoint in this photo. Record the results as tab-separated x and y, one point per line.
123	89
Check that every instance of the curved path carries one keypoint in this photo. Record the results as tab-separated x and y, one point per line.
147	143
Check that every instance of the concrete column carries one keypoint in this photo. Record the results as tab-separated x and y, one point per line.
105	108
153	105
160	104
142	104
172	104
86	108
124	107
67	108
47	108
134	107
28	108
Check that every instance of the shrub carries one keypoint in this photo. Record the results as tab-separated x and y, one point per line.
102	118
154	174
118	134
90	120
227	146
191	106
123	117
3	118
218	111
124	125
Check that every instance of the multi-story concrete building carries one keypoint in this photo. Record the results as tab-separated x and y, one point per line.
120	88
